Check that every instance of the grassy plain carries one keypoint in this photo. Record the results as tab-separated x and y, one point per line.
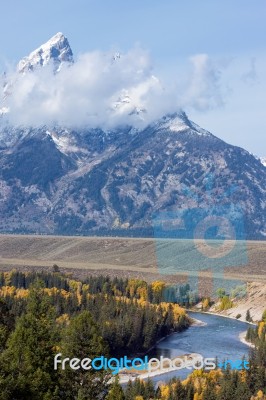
122	257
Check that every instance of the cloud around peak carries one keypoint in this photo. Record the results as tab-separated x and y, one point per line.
101	89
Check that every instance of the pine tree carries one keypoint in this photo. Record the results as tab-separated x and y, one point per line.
180	391
27	363
190	390
242	391
7	323
115	392
149	389
209	392
248	316
227	391
129	395
81	340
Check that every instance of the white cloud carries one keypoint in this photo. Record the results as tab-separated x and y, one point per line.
99	90
203	90
251	75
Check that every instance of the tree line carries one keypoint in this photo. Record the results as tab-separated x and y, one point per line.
42	314
48	313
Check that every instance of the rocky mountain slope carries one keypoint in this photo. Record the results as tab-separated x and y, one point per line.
55	180
254	301
84	181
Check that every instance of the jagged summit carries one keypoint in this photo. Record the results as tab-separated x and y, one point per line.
56	50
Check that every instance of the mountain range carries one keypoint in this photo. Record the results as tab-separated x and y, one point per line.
83	181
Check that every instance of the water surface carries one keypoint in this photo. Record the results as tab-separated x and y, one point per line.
218	338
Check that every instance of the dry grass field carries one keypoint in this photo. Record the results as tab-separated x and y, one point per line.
125	257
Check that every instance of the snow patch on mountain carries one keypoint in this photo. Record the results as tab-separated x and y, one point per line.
199	130
176	124
4	110
179	122
57	50
65	142
263	161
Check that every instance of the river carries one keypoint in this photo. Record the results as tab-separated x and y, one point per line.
219	337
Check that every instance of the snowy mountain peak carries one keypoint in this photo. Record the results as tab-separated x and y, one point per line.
179	122
56	50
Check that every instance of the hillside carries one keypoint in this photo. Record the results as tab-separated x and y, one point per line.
255	302
114	256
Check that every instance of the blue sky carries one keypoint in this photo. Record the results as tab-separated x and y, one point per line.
228	37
